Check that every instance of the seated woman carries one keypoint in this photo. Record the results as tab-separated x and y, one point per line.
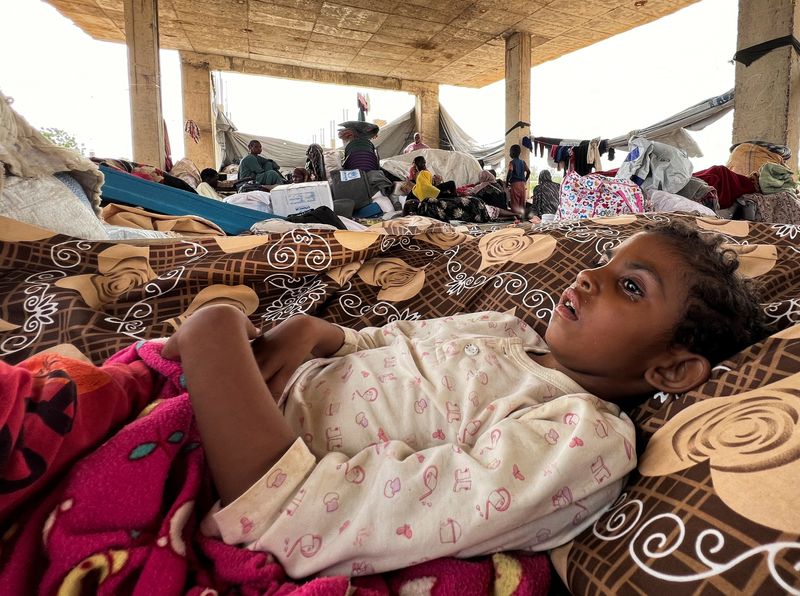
264	172
545	195
440	201
428	185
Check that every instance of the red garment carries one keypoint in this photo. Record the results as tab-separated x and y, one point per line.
52	410
730	185
518	197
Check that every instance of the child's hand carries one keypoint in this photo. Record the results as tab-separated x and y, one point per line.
282	349
204	325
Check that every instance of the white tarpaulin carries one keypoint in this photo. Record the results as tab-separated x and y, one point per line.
672	130
462	168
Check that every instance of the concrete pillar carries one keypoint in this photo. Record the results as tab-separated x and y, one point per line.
768	91
144	77
426	110
197	101
518	89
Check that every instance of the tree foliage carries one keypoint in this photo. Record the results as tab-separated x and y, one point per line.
62	138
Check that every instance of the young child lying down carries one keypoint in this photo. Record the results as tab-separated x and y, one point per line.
457	436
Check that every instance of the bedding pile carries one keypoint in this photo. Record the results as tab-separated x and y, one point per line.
711	508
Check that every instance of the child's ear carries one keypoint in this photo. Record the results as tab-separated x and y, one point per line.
680	372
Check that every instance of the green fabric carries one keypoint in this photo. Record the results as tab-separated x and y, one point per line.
264	170
774	177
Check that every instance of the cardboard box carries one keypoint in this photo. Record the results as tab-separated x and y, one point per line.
288	199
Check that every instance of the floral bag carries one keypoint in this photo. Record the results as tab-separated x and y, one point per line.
594	195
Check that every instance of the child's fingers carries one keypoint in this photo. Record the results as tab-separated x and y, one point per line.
170	349
252	331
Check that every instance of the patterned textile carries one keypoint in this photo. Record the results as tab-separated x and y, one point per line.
782	151
746	159
781	207
127	517
468	209
597	196
706	515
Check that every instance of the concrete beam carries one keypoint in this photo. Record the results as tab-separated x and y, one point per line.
197	101
426	110
144	78
518	89
302	73
768	91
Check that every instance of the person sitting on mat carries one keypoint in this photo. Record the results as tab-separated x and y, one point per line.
427	185
208	186
265	172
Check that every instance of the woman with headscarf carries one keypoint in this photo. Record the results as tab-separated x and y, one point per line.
545	195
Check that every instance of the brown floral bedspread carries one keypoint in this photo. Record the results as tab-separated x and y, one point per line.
711	507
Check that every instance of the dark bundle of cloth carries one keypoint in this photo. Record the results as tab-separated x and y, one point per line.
315	162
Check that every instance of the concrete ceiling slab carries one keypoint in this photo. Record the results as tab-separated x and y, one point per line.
453	42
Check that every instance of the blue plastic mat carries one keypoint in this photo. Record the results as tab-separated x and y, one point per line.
121	187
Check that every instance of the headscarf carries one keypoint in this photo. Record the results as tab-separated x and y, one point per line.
424	188
545	195
484	179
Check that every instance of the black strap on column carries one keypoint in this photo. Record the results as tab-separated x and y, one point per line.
749	55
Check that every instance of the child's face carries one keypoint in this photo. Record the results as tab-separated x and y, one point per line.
616	320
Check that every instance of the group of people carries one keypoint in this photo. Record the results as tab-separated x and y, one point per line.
429	195
262	173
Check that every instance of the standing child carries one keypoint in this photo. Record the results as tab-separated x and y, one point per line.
517	178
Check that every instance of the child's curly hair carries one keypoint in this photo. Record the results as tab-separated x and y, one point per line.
723	313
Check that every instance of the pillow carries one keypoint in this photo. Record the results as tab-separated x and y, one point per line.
712	507
594	195
48	203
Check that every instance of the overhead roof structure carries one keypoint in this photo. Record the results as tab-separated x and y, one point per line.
452	42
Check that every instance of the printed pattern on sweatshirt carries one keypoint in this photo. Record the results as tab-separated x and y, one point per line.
424	439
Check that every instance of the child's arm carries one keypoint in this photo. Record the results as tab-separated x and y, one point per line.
527	171
243	430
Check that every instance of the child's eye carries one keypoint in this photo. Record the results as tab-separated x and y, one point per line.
631	287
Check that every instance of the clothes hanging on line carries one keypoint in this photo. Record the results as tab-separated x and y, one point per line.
581	155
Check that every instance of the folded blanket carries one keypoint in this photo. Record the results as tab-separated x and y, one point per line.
773	177
185	225
127	517
747	158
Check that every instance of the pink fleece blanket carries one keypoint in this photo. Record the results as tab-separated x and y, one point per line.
126	520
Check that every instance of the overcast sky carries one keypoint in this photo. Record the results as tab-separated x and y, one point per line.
60	77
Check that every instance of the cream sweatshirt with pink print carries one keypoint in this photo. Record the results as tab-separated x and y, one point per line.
425	439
